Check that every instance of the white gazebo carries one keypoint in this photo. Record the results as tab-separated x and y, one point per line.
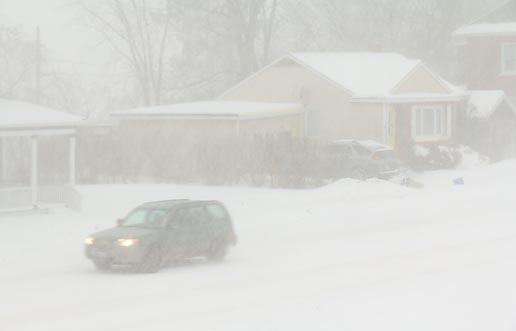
21	119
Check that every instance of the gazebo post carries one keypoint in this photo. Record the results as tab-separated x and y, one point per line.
2	160
72	142
34	170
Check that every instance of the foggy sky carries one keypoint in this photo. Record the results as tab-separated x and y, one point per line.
70	44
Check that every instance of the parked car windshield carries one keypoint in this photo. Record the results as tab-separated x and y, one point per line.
145	218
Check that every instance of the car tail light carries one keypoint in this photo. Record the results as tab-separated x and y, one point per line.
376	156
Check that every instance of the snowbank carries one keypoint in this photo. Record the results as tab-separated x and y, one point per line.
353	255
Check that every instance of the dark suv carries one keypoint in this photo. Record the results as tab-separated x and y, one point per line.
361	159
164	231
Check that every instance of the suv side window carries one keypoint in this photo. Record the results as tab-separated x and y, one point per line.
196	215
216	212
178	219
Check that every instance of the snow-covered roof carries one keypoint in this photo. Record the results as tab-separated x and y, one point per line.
366	76
17	114
482	104
486	29
405	98
362	73
214	109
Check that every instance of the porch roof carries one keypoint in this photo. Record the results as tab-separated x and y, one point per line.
18	115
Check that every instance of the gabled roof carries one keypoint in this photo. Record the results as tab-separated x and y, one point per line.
365	76
212	110
17	114
482	104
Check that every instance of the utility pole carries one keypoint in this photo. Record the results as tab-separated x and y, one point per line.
38	65
2	163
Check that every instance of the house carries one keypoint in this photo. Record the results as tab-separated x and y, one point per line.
486	51
24	124
490	126
380	96
314	97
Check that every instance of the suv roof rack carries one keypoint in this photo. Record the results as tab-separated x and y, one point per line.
173	201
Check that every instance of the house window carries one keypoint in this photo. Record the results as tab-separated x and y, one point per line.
509	59
430	122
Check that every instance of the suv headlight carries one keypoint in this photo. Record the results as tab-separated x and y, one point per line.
127	242
89	240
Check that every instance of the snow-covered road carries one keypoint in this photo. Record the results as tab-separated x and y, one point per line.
356	256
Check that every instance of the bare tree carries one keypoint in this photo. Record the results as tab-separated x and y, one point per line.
17	56
139	31
245	27
250	23
415	28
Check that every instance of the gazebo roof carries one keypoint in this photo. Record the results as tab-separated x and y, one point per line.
23	115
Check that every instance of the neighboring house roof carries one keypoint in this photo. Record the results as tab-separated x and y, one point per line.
505	12
482	104
366	76
486	29
499	21
213	110
17	114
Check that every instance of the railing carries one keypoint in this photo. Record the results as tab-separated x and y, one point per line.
21	198
15	198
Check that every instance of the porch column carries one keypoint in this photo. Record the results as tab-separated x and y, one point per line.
306	124
385	123
3	167
72	143
238	127
34	170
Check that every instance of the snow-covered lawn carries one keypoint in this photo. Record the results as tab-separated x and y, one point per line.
350	256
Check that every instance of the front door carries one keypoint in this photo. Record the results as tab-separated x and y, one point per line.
389	125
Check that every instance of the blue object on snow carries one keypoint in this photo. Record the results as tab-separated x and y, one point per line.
458	181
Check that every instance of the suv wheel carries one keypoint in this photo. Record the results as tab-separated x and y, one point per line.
151	262
217	251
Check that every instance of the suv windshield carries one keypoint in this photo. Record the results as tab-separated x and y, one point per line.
145	218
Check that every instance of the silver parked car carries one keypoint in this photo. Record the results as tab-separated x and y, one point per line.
362	159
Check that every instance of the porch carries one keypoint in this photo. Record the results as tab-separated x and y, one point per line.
25	125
